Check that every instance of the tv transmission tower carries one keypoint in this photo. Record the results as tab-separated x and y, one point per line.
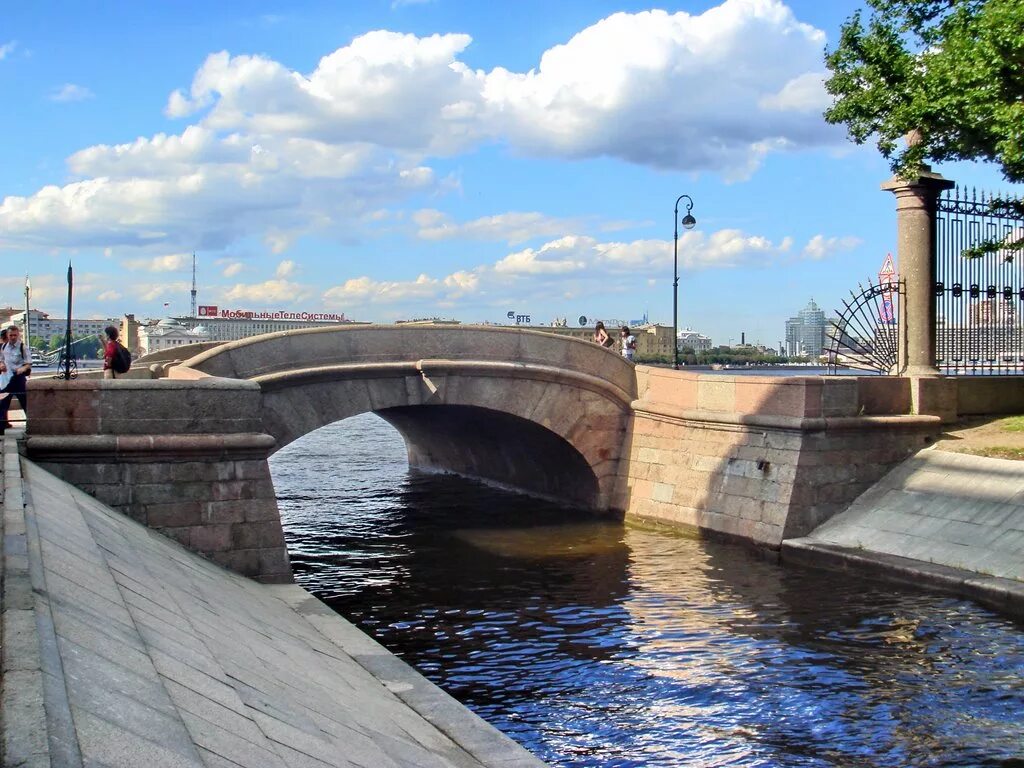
193	284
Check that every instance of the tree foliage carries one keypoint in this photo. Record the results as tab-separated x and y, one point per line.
953	70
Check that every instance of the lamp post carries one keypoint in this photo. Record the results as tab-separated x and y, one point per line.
688	222
26	324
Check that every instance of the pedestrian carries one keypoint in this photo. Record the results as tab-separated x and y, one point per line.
628	343
15	367
110	351
601	335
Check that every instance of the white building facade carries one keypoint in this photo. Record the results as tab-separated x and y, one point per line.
169	333
697	341
234	324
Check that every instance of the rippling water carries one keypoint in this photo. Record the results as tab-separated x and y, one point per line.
594	643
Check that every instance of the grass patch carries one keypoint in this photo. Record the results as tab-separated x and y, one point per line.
997	452
1012	424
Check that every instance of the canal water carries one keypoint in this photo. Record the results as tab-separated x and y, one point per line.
594	643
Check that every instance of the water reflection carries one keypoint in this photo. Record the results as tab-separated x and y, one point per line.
598	644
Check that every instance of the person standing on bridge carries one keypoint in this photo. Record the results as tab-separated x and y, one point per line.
628	343
601	335
15	367
110	352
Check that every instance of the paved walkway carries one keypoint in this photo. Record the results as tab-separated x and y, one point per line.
121	648
947	519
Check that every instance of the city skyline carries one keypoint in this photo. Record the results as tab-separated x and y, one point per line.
404	159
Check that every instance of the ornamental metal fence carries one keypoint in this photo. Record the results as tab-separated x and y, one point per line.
864	333
979	292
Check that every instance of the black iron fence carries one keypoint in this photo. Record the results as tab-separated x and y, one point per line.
979	293
864	333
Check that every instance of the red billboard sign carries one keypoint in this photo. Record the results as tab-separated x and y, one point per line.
279	314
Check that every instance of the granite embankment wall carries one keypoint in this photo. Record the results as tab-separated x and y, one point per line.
762	458
187	458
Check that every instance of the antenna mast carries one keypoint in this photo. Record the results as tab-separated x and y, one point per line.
193	284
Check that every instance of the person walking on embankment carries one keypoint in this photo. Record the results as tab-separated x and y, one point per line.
15	367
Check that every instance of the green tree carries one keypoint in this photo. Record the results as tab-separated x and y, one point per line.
951	70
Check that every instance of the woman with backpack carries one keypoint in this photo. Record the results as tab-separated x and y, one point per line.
116	359
15	367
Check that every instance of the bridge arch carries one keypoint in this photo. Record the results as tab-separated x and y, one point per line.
532	410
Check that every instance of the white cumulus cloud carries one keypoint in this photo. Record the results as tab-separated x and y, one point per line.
172	262
273	153
513	227
820	247
70	92
270	291
713	91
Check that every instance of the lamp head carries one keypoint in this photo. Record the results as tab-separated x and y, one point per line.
688	221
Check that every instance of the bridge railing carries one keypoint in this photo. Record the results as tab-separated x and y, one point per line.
319	347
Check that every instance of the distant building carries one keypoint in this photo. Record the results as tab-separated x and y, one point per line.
805	333
696	341
46	327
167	333
234	324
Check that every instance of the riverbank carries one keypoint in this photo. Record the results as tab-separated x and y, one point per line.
947	520
122	648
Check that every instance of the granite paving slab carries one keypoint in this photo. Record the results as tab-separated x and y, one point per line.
141	653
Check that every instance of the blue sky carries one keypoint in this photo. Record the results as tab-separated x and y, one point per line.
457	159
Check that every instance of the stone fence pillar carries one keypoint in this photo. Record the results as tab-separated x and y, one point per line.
187	458
915	251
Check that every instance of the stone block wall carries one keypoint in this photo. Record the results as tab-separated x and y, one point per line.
185	458
758	458
989	395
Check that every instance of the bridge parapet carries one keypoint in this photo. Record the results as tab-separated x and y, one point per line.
323	347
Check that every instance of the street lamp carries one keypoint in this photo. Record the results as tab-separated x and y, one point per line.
688	222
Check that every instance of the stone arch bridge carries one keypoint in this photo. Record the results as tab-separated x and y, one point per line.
535	411
762	458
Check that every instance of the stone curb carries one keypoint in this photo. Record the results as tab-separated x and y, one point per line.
1003	595
24	728
472	733
148	448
